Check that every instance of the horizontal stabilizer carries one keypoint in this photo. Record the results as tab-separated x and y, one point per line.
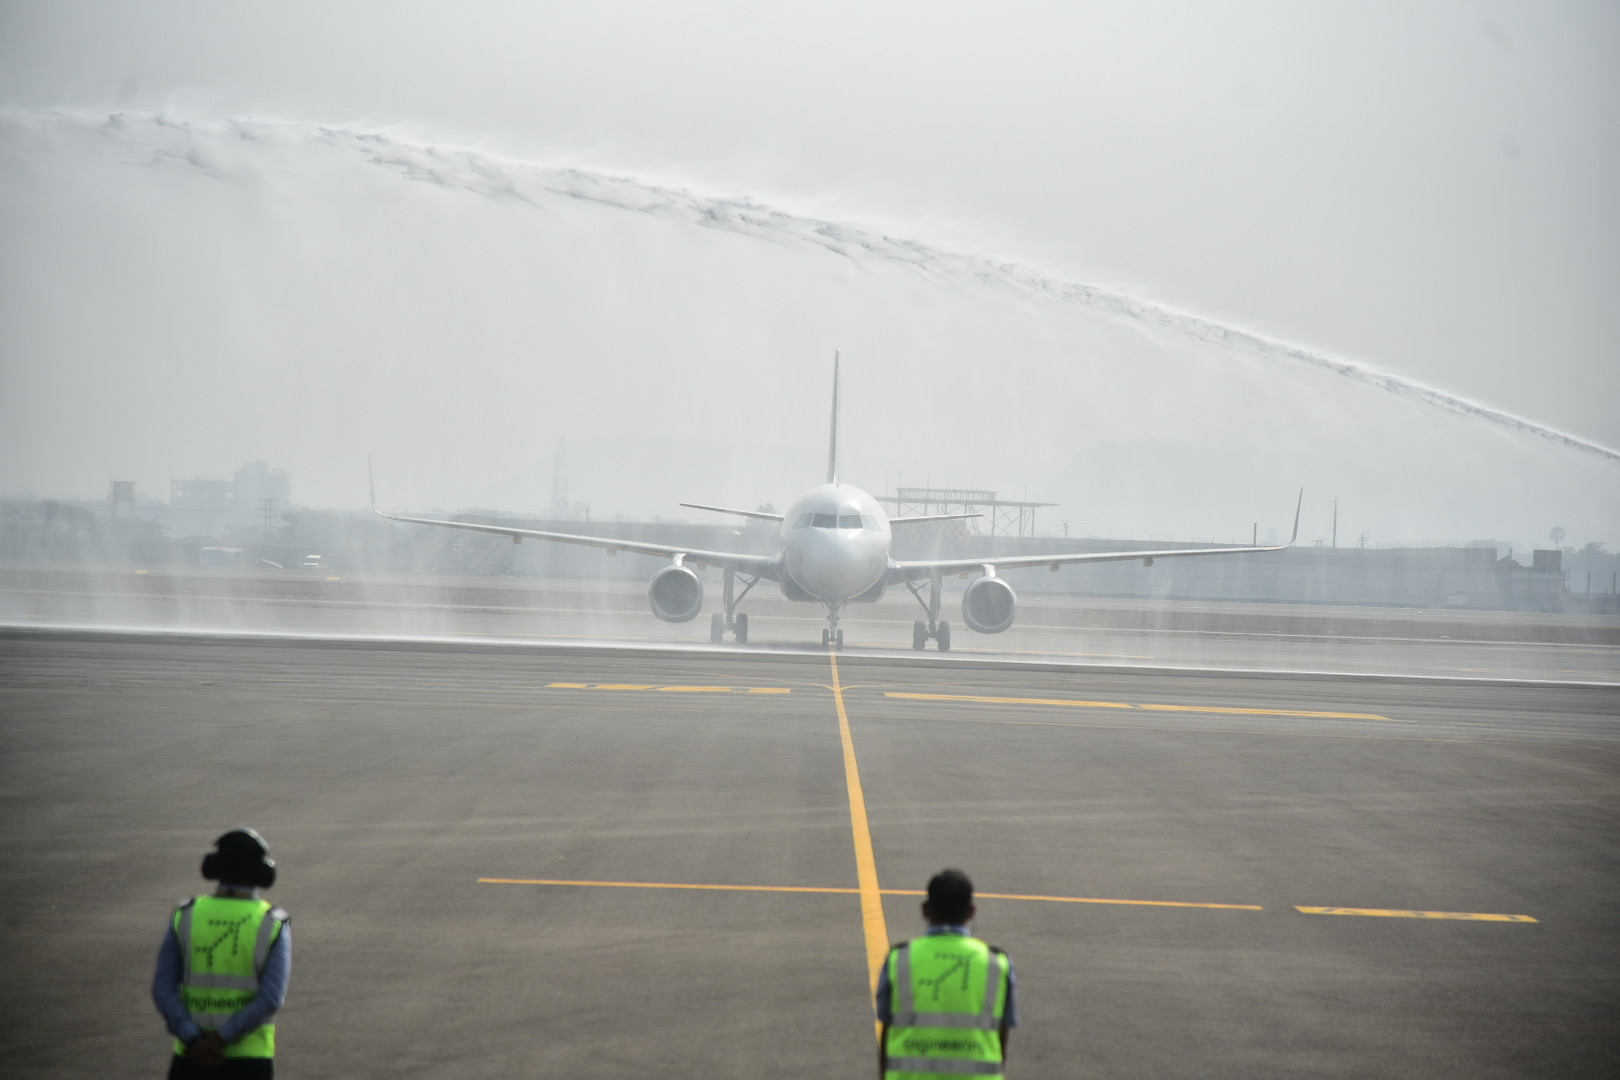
931	517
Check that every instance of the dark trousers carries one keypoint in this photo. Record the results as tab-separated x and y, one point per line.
234	1069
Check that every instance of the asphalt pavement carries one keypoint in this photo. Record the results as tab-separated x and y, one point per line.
609	862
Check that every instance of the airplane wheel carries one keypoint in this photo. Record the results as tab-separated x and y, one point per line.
944	637
826	638
919	635
717	628
742	628
839	638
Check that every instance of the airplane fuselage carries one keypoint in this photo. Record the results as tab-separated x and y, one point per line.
835	545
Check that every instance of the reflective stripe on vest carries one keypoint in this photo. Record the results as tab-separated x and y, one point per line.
210	930
960	984
929	1066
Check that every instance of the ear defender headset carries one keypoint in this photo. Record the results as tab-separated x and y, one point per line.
240	856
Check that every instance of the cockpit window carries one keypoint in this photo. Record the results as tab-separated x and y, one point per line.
869	523
804	521
849	521
826	521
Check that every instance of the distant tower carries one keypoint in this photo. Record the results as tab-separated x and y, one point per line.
559	480
122	494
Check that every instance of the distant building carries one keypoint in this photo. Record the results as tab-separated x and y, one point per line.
199	507
257	489
254	499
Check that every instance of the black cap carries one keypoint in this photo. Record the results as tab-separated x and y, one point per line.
240	857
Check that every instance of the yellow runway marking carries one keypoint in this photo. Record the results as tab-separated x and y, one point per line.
1128	903
667	689
1388	913
1013	700
664	885
1396	913
857	892
872	922
1217	709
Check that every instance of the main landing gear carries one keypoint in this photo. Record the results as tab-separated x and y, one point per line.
935	630
733	622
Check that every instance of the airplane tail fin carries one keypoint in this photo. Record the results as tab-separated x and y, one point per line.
832	441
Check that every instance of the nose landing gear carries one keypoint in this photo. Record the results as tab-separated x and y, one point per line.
833	637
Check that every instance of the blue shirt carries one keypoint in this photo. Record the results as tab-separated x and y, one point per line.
885	999
171	1002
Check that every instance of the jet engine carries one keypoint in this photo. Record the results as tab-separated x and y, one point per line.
676	594
989	605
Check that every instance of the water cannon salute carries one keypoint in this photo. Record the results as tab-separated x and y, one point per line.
1329	789
836	542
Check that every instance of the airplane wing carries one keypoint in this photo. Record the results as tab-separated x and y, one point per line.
918	569
760	514
763	566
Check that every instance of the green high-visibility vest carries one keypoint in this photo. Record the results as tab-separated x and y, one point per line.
949	993
224	943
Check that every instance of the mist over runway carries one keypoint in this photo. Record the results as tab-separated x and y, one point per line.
1083	631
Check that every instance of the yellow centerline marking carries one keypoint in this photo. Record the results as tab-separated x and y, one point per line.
1398	913
872	922
1072	704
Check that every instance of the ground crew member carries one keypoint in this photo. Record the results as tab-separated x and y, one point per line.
946	1000
223	967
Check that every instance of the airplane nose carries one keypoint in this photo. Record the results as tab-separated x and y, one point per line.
832	566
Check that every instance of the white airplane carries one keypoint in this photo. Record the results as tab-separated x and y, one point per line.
836	550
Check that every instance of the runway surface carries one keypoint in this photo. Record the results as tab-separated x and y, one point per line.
608	863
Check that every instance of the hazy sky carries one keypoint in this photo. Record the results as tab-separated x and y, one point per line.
1425	187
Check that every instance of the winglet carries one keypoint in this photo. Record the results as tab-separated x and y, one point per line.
832	440
372	477
1297	505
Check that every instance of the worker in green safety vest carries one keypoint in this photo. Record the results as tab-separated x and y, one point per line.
945	1001
223	967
